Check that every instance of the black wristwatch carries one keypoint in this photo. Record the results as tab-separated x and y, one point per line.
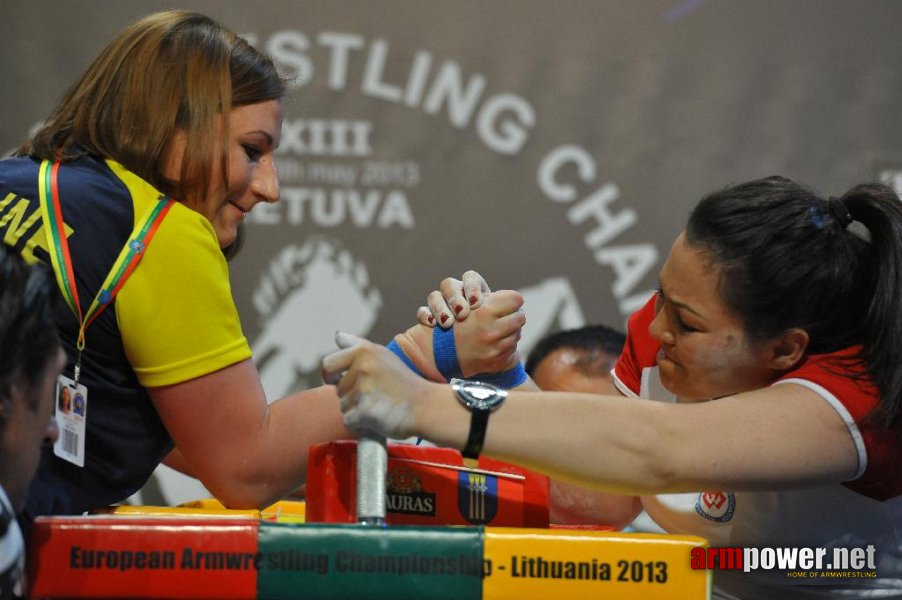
481	399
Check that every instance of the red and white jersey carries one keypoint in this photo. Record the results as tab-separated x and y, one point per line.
867	510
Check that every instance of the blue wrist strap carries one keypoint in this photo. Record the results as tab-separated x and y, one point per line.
446	361
394	347
445	353
506	379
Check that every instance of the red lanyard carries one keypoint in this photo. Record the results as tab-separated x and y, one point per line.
61	258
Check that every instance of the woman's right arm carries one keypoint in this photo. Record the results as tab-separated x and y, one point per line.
249	453
246	452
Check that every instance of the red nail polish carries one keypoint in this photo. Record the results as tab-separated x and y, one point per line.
457	309
443	318
472	300
431	319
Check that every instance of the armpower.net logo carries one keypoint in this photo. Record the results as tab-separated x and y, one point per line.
798	563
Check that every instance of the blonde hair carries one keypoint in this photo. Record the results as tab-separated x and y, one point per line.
166	71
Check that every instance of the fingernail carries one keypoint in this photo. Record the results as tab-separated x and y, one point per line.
472	300
431	319
457	309
443	318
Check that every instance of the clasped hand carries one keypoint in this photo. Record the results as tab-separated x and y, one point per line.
380	393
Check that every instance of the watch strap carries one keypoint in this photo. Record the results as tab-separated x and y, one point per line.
479	421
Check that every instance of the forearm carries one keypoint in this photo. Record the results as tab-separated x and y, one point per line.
246	452
615	454
775	438
772	438
277	466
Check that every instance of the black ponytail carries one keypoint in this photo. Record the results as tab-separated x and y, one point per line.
879	210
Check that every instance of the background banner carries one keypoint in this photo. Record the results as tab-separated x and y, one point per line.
554	145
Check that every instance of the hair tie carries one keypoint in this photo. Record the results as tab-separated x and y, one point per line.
840	212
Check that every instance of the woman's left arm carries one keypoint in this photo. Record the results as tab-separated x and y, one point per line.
781	436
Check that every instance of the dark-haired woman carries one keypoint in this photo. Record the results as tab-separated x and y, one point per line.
772	347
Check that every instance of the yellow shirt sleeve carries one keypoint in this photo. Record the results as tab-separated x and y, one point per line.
176	313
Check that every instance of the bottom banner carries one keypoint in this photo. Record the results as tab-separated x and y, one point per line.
244	558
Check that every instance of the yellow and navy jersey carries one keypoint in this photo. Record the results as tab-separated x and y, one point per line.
174	320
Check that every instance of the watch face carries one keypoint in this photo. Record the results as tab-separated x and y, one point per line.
482	396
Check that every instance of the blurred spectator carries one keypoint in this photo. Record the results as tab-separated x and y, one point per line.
30	362
575	360
580	360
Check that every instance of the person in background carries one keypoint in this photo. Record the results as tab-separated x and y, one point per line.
581	360
772	347
135	190
30	361
575	360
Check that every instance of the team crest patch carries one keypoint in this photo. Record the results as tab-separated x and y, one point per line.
477	497
716	506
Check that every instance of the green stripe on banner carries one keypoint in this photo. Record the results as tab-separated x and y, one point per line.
354	561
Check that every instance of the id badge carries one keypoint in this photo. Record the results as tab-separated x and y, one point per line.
70	412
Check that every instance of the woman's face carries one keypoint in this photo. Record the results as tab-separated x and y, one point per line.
254	134
705	352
